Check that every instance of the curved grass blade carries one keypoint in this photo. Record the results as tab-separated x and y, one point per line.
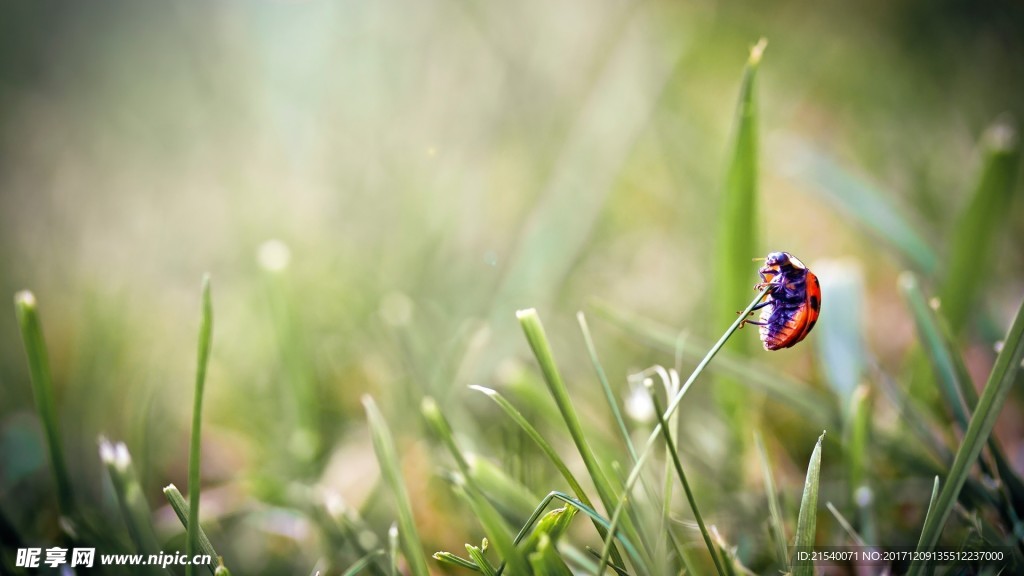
1000	381
674	453
774	509
840	340
806	401
42	391
807	520
971	245
544	446
535	335
634	474
203	358
384	446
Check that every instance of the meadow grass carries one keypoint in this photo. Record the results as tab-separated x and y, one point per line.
605	469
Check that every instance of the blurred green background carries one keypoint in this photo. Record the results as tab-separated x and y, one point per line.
376	187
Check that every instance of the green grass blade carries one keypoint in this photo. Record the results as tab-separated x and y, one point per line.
387	458
478	558
130	496
535	335
495	528
858	450
971	251
736	241
394	542
1000	381
778	529
806	521
674	454
634	474
544	446
605	387
42	391
205	336
864	204
181	510
810	404
932	341
546	560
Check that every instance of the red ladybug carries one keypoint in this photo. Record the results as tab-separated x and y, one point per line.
793	302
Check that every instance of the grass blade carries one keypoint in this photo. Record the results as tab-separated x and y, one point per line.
605	387
674	453
387	458
774	509
478	558
634	474
42	391
181	510
535	335
971	245
806	521
865	205
737	224
205	336
737	241
130	497
932	342
812	405
495	528
1000	381
546	559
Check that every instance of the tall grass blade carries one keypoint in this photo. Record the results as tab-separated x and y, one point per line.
42	391
807	520
810	404
857	438
864	204
971	251
932	341
387	458
544	446
205	337
1000	381
535	335
634	474
737	238
778	528
674	454
605	387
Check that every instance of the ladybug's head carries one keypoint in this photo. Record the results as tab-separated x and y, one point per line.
783	260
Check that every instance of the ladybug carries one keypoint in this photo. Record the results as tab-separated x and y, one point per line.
793	302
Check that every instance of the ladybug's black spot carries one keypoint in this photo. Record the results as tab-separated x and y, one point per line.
815	305
811	325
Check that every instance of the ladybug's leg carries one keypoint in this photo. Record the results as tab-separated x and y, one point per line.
758	307
745	322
